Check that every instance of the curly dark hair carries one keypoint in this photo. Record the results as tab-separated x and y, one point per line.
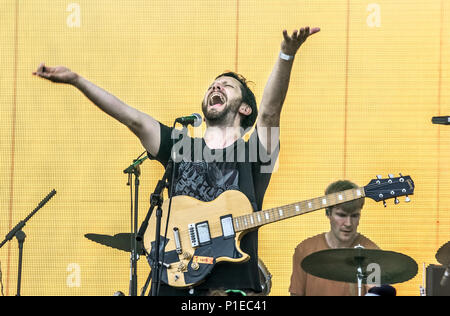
247	96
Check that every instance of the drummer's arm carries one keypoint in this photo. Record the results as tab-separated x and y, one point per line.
298	277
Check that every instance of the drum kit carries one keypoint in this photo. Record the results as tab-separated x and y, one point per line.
443	255
361	266
353	265
369	266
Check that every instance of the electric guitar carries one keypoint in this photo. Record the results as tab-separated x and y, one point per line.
202	234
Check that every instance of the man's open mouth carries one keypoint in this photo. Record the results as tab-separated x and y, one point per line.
216	98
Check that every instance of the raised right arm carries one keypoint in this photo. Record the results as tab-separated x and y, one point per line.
146	128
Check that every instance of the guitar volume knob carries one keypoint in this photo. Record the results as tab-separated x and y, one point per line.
186	255
195	266
181	267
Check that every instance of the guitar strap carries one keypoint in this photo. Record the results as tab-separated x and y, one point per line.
246	184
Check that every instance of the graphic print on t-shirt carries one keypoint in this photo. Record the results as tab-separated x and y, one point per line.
206	181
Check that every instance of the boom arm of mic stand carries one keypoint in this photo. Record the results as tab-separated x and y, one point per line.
21	224
20	235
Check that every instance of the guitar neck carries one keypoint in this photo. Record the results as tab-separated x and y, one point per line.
257	219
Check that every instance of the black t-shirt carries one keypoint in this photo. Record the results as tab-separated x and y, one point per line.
204	174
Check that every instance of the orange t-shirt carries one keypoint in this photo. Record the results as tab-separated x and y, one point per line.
305	284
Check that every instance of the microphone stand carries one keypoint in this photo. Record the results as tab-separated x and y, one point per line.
20	235
156	200
134	169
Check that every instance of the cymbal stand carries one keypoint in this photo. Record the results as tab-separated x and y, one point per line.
360	276
422	288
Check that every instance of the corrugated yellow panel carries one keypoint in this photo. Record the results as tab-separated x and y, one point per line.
7	104
360	103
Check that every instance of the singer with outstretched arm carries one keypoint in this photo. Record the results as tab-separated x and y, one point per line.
229	108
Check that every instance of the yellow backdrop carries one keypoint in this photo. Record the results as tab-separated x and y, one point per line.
361	98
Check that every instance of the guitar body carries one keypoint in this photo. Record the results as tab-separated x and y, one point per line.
200	234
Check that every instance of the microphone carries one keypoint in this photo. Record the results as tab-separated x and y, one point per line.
134	164
194	119
444	279
444	120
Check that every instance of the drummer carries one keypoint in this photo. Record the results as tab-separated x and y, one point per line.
344	220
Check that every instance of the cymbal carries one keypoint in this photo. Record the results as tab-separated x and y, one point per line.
120	241
443	254
342	264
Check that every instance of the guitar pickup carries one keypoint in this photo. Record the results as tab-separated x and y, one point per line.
227	226
199	234
204	236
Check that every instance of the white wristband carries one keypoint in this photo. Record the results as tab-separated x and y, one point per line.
285	57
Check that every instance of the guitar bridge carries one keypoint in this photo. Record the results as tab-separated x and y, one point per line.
193	236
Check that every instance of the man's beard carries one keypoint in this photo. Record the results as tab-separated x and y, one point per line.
217	118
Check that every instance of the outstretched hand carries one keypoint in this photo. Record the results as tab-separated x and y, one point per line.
292	43
57	74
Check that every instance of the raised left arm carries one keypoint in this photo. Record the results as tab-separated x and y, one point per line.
277	85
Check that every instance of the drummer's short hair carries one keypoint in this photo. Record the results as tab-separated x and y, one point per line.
342	185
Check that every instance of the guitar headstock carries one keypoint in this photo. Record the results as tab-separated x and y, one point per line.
390	188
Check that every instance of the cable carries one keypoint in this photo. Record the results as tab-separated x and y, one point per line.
171	160
141	155
1	281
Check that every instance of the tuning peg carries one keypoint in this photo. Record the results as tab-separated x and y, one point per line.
384	203
407	199
396	201
379	176
391	175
